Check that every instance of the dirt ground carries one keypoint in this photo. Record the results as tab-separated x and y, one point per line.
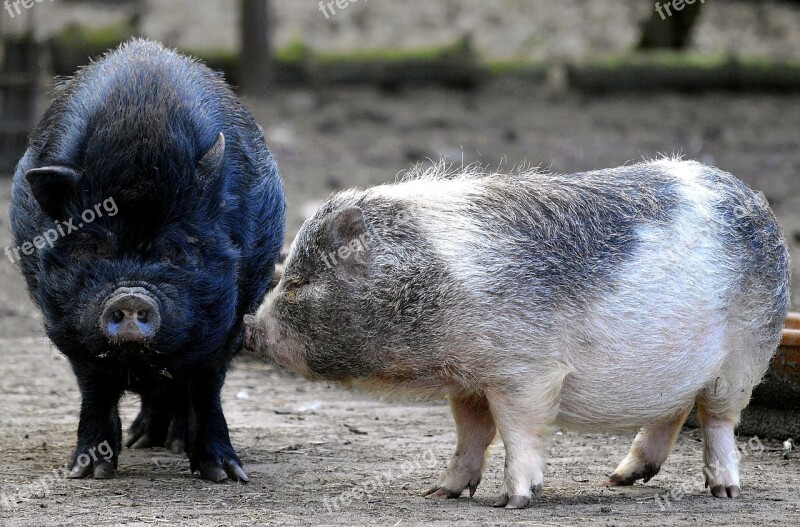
318	455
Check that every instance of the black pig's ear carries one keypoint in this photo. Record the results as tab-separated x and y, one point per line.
211	162
50	187
348	232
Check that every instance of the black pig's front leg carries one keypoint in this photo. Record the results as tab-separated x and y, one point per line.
99	430
210	450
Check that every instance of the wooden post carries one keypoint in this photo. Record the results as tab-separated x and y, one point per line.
255	54
19	88
669	28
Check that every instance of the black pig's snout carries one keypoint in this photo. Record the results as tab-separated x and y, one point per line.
130	315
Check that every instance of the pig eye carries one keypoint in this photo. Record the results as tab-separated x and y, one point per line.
291	288
181	254
294	285
176	256
92	248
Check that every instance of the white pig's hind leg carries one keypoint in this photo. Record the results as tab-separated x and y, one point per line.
523	425
650	449
720	453
476	430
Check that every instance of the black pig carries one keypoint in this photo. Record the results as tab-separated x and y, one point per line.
168	214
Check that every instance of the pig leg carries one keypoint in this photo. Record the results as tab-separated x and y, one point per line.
650	449
176	434
720	452
522	422
99	429
209	446
149	429
161	420
476	430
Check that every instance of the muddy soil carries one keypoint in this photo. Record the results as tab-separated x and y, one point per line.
318	455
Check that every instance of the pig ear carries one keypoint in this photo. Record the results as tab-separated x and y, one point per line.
347	225
50	186
211	162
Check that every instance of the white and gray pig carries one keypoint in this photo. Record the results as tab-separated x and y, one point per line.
614	300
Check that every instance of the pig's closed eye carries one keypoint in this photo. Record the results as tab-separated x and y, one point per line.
175	255
179	255
91	248
293	285
291	288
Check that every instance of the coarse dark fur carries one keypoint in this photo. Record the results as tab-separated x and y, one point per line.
199	228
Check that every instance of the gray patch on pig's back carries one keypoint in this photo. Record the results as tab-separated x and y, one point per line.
553	241
754	243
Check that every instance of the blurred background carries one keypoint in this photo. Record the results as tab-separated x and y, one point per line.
352	92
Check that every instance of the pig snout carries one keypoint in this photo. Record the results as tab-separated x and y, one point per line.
260	334
249	338
130	315
268	339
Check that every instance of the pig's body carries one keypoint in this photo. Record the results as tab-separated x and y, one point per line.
149	298
603	277
611	300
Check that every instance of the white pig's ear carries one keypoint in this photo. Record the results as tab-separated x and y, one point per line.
50	187
348	228
211	162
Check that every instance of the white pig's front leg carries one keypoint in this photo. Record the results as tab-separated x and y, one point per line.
476	430
720	453
522	422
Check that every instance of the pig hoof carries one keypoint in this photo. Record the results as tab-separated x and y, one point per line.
646	473
442	493
147	431
176	437
719	491
143	441
139	438
79	471
618	481
228	470
103	470
213	473
457	479
473	486
177	446
235	471
132	438
502	501
452	491
518	502
100	470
